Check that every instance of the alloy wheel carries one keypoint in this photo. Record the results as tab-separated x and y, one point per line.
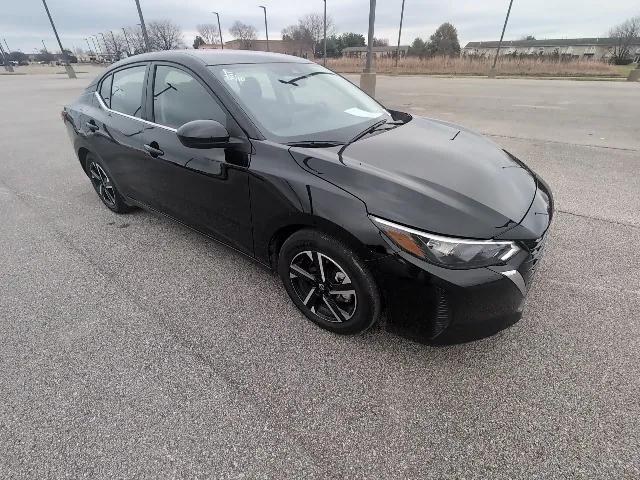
323	286
102	184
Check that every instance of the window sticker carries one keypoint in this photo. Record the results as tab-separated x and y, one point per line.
231	76
357	112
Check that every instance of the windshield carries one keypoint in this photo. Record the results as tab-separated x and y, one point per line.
292	102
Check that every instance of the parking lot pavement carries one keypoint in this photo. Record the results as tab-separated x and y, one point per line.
133	347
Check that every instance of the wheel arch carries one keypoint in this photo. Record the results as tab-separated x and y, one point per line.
320	224
82	158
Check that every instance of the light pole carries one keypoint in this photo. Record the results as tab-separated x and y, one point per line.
324	57
368	77
96	44
106	47
129	51
70	72
5	60
492	72
90	49
143	27
399	34
115	46
266	29
219	31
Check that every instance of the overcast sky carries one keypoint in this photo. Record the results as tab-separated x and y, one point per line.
24	24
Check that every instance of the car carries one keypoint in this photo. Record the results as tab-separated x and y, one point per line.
365	212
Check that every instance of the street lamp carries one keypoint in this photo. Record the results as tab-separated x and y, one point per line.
5	60
70	72
266	29
143	27
324	58
492	72
106	47
399	33
129	51
219	31
368	77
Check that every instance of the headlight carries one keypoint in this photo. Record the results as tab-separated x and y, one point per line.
446	251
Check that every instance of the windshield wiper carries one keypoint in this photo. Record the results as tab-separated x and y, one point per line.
368	130
302	77
314	143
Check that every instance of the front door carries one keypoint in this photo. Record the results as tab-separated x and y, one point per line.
207	189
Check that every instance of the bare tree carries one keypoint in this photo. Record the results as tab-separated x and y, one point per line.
136	39
209	33
380	42
116	44
624	35
164	35
314	24
243	32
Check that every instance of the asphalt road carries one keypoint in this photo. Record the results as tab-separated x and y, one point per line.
131	347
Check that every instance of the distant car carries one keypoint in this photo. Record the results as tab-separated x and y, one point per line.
14	63
23	62
359	208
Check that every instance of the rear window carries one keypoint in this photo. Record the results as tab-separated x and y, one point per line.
126	90
105	90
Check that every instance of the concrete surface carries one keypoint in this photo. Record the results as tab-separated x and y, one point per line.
131	347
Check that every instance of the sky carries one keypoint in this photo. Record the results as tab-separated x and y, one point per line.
24	24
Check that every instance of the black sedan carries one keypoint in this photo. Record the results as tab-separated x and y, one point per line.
362	210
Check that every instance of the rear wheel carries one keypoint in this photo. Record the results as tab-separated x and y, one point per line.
328	282
104	186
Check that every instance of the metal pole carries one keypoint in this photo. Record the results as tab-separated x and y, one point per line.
492	73
368	76
219	31
372	21
70	72
7	65
90	49
324	57
115	52
96	45
266	29
129	51
144	28
5	42
399	34
106	47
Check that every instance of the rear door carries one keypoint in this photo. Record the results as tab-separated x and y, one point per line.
115	126
205	188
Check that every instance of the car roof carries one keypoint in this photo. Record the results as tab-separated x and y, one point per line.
213	57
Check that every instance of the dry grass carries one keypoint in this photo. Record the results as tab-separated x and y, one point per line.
479	66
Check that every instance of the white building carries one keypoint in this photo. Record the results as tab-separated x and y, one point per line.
585	48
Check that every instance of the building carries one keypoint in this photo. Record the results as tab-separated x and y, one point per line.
378	52
584	48
288	47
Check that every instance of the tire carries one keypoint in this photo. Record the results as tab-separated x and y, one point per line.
328	282
104	186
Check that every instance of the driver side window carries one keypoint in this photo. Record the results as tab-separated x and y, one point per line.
179	98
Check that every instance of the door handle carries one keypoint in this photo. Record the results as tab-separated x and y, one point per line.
91	125
153	149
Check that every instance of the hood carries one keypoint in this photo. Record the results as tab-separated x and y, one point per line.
430	175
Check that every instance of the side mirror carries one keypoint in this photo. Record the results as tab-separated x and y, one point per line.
203	134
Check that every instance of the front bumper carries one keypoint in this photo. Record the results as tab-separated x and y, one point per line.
427	302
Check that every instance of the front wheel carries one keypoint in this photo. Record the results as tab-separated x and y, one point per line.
328	282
